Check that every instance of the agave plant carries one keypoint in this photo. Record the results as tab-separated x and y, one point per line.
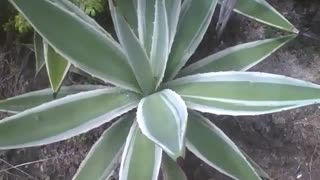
56	65
158	97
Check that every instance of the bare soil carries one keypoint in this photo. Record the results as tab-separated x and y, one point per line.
285	144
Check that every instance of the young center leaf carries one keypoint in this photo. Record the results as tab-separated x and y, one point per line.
105	153
139	150
57	67
64	118
83	45
238	58
160	41
212	146
193	24
244	93
134	51
162	117
32	99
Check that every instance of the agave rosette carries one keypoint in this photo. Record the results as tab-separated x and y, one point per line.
147	66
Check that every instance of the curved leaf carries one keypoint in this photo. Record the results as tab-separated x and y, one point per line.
238	58
137	151
212	146
244	93
162	117
39	52
103	156
171	170
160	41
81	44
64	118
57	67
262	11
192	26
32	99
136	55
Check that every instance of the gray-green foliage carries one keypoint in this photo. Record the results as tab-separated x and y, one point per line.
158	98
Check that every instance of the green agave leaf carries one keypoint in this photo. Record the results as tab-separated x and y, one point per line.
64	118
32	99
262	11
69	6
39	52
226	8
162	117
173	13
244	93
139	150
146	17
212	146
81	44
105	153
184	8
194	22
160	41
238	58
136	55
171	170
57	67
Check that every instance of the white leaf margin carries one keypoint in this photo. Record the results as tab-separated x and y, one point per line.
127	152
83	128
220	133
169	97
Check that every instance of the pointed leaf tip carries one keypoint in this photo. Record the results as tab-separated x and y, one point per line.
262	11
64	118
32	99
244	93
212	146
237	58
57	68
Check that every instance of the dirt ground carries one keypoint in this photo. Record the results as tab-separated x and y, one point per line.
286	145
